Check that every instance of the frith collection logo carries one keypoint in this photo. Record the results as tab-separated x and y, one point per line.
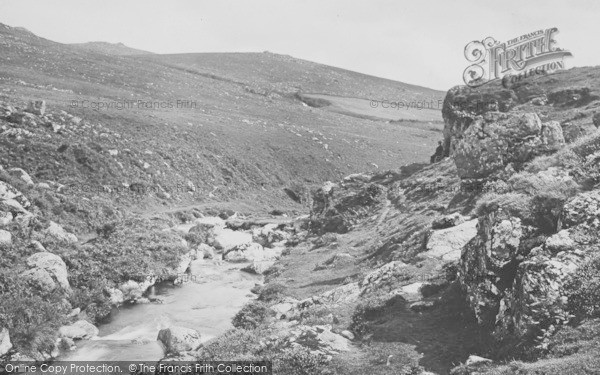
527	55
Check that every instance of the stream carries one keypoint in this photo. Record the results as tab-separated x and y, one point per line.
214	293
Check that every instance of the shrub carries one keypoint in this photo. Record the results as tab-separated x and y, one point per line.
584	290
272	292
298	361
31	319
235	344
252	315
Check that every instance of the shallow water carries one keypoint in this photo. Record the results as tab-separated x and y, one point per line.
213	294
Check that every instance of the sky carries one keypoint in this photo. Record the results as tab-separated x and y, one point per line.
417	42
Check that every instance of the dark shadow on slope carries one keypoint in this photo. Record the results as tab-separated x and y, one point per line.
446	334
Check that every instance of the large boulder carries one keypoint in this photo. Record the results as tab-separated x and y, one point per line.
179	339
48	271
497	139
80	330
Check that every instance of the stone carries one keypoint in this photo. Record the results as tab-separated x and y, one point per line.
227	239
179	339
37	107
347	334
447	244
57	233
80	330
477	360
44	265
560	241
5	239
5	218
5	344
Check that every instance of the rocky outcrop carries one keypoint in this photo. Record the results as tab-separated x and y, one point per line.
179	339
463	105
338	207
515	277
497	139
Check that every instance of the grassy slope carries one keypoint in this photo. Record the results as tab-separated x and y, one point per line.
111	48
241	137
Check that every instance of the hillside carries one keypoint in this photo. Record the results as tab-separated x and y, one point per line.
111	48
226	134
